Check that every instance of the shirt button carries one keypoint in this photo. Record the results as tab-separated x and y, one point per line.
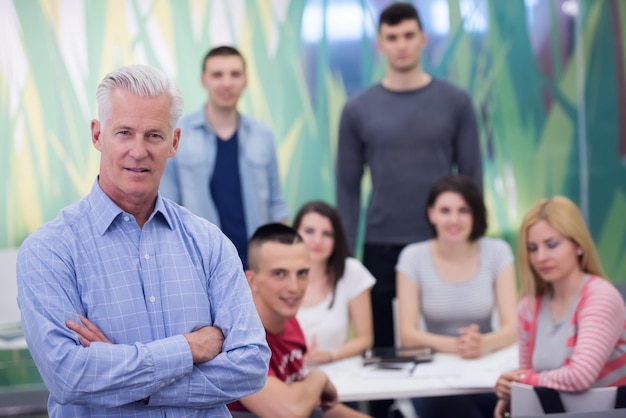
146	256
152	299
126	218
173	380
162	384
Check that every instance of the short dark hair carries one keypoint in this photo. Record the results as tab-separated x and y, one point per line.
274	232
222	51
336	263
472	195
397	13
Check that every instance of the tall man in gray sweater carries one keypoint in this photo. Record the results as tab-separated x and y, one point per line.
410	130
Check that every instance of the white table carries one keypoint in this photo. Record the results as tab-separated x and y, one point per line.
446	375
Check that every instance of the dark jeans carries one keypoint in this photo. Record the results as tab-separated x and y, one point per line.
464	406
380	260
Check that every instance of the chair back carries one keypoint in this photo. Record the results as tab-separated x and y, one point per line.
598	402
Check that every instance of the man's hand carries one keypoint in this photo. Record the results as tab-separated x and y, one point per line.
469	342
329	396
503	385
88	332
205	343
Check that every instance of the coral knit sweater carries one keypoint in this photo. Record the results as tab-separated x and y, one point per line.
597	343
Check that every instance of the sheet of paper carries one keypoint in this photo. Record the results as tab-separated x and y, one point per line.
483	380
437	370
345	367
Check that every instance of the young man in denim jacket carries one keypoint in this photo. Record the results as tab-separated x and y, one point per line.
226	169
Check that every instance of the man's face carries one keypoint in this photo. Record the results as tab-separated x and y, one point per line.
402	45
135	143
224	78
279	283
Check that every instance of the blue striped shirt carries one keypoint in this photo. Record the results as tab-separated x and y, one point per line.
143	288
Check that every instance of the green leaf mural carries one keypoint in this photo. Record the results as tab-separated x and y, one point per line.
535	98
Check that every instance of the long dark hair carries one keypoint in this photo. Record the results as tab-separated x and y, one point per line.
336	263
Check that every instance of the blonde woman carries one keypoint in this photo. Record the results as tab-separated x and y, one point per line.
571	322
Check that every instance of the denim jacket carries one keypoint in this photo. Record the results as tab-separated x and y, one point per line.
187	174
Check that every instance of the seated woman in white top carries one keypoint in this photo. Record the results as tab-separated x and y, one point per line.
456	281
338	293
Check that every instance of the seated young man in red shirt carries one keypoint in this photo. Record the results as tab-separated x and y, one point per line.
278	276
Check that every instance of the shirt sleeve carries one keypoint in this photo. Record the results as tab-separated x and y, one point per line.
358	278
598	333
278	207
467	152
107	375
524	330
241	369
350	165
501	255
408	262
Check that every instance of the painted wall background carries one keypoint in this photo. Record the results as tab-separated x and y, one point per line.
546	76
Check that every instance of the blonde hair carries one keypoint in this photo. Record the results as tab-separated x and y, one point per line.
563	215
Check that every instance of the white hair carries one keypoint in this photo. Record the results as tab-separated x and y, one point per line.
140	80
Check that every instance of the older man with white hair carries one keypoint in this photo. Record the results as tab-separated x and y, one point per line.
131	305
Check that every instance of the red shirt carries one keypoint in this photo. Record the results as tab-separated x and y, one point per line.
287	361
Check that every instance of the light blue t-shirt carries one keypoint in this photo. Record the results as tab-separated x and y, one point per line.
551	348
445	306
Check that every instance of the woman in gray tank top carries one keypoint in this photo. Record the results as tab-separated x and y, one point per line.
454	283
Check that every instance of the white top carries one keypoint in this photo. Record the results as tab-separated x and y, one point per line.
446	306
329	327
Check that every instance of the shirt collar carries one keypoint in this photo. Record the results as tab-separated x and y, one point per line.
199	120
105	211
161	208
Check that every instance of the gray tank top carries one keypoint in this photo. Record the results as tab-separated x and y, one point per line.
551	336
445	306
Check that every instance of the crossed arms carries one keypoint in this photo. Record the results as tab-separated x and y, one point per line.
173	357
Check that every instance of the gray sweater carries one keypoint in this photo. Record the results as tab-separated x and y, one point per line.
408	140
